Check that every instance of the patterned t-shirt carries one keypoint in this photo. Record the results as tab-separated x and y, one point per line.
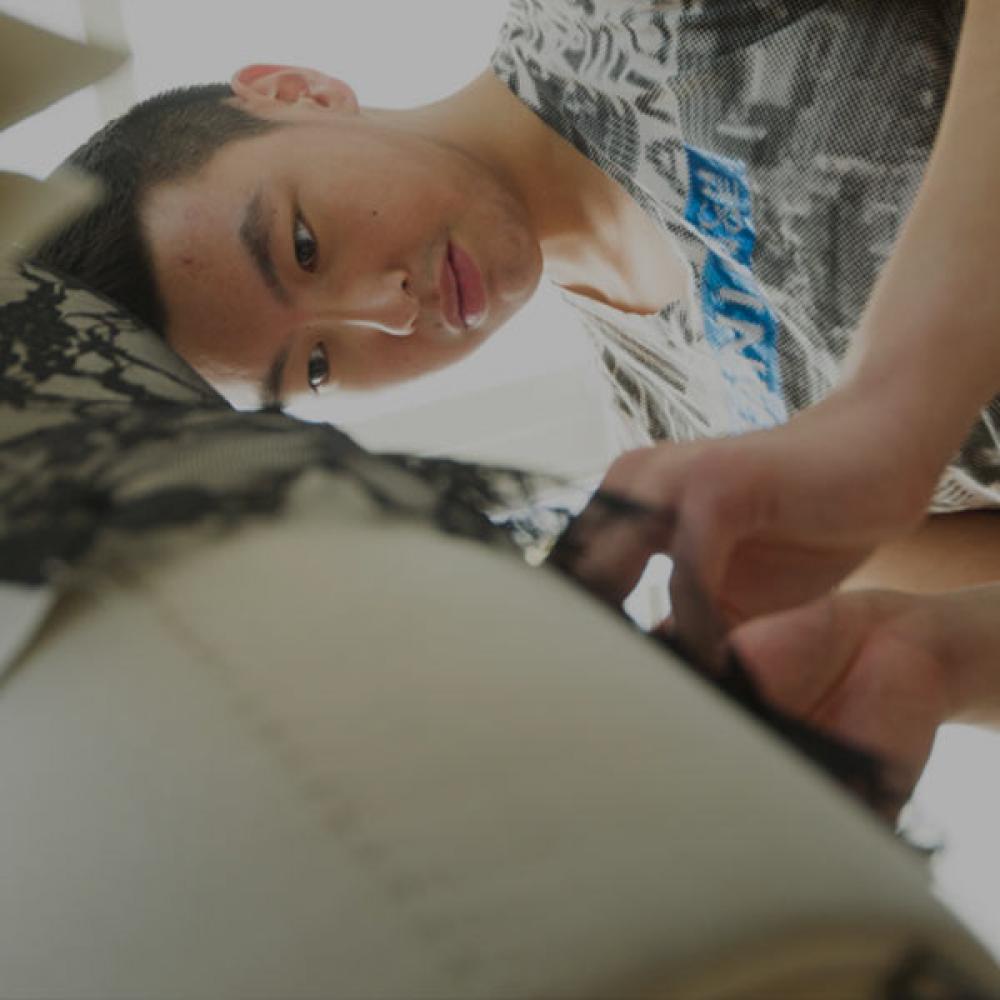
779	143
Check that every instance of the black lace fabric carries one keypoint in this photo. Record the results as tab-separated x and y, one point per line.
104	430
107	436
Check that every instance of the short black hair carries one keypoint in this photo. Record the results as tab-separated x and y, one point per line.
165	138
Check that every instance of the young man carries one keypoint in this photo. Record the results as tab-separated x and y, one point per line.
327	243
721	188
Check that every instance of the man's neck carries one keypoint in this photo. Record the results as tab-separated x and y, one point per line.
594	238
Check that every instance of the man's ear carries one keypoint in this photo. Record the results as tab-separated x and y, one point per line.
261	86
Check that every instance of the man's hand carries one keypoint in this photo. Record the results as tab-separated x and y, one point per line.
881	669
769	520
758	523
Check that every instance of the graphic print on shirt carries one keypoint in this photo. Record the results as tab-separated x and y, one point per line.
832	105
740	325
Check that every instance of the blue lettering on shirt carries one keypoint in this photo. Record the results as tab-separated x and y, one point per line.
739	323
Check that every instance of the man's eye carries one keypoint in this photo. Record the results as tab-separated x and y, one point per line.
304	243
319	368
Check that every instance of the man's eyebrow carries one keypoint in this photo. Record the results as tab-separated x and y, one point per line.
270	387
255	236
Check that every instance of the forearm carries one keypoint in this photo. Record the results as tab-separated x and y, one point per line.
969	648
944	552
929	343
951	564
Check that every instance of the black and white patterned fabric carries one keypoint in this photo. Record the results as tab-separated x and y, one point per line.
107	436
779	143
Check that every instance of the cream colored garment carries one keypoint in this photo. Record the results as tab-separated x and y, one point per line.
38	68
345	756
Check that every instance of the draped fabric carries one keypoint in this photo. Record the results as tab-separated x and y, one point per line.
110	445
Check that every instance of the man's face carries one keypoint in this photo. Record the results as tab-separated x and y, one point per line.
339	251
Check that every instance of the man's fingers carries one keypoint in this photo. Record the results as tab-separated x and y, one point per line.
799	656
626	521
608	545
793	655
702	546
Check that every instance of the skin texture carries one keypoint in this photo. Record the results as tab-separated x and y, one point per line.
762	522
881	668
876	670
946	551
376	198
380	203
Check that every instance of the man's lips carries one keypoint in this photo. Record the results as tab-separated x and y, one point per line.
471	289
463	293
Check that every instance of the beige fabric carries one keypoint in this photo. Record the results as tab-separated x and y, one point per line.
346	756
38	68
30	209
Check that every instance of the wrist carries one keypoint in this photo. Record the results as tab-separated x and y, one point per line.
890	424
919	387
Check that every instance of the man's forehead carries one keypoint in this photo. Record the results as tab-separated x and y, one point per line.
202	201
220	315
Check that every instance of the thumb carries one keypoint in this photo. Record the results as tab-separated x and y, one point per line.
800	655
795	656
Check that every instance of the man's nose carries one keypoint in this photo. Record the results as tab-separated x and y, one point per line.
383	302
